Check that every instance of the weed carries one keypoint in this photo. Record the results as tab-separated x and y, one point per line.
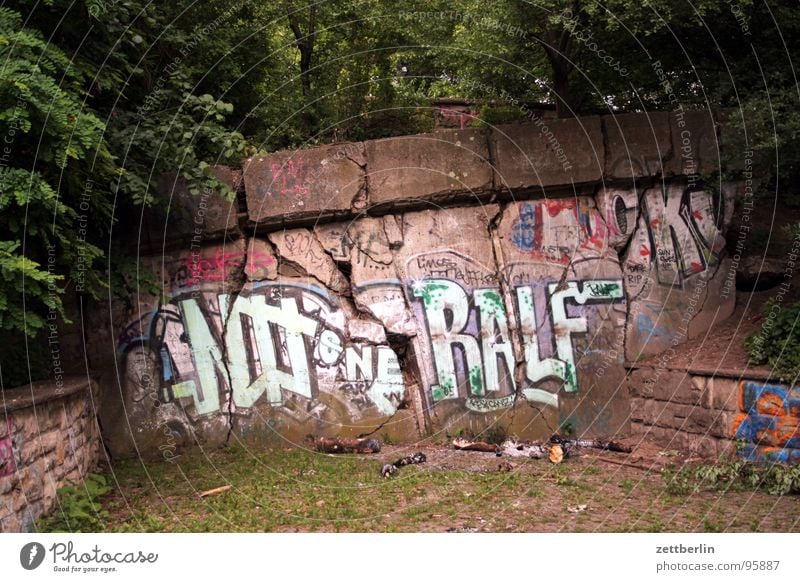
627	485
80	509
736	475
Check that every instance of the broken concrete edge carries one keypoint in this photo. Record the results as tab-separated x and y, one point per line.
41	392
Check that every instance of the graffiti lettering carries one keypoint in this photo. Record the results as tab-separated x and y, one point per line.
278	339
478	332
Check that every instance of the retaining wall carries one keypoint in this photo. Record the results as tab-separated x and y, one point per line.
713	413
49	438
458	280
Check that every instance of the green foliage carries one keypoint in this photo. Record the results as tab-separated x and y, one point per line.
51	148
733	475
777	343
80	508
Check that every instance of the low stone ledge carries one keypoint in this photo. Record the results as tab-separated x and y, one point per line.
44	391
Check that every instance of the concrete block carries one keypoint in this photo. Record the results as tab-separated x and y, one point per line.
638	144
428	166
553	152
695	143
304	186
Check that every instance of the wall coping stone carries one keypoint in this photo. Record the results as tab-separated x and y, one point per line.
44	391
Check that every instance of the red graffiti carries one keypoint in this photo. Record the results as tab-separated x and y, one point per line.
644	251
697	214
287	178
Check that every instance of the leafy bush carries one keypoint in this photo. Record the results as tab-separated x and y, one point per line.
79	508
777	343
736	475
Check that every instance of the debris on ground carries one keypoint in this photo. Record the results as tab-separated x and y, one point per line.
480	446
337	445
505	466
556	454
463	530
391	468
602	444
578	509
556	449
215	491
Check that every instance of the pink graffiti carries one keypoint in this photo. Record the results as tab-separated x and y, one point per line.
196	269
286	178
7	465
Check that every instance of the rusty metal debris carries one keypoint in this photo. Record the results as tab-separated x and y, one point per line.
391	468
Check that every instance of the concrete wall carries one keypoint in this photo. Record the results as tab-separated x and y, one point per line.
456	280
49	438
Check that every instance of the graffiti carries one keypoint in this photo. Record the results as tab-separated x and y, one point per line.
471	342
285	178
302	243
373	375
365	247
489	404
768	422
554	230
197	269
655	333
274	341
447	266
7	463
679	233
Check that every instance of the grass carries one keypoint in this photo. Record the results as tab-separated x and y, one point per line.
297	490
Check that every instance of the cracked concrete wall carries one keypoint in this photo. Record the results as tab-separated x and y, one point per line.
461	280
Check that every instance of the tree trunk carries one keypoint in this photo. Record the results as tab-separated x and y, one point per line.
564	104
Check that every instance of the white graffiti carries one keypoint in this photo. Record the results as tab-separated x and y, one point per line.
479	330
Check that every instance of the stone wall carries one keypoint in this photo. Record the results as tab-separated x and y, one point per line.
418	285
49	438
713	413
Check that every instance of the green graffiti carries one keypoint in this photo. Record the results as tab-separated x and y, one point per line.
443	390
606	289
476	380
491	303
432	294
570	380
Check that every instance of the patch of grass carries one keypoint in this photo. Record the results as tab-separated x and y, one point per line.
299	490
